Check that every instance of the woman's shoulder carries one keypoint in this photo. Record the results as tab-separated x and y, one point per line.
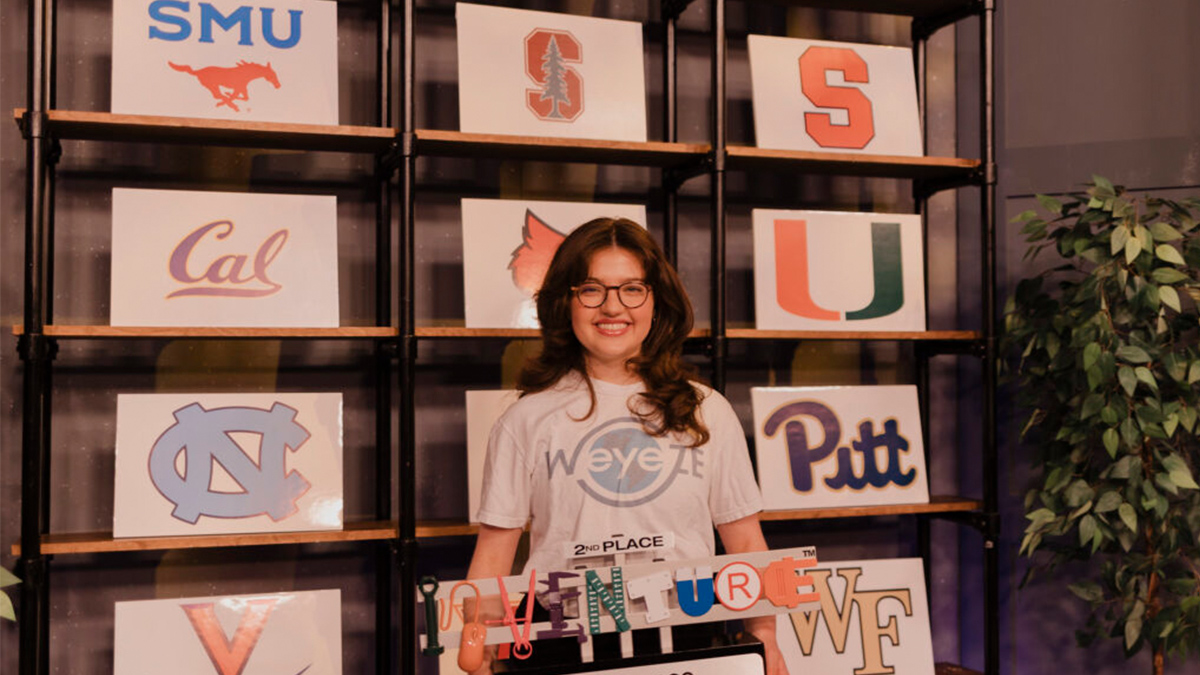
551	398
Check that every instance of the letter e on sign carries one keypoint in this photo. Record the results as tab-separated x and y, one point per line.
738	586
815	63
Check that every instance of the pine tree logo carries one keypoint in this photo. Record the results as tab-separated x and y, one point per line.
559	93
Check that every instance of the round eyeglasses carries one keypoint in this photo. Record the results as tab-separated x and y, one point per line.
632	294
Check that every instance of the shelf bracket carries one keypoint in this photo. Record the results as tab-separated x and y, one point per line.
987	524
675	177
37	347
924	27
35	125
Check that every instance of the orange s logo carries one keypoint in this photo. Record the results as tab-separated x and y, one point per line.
558	96
815	62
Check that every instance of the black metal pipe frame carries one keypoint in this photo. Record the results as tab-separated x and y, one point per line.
670	135
406	484
717	309
991	554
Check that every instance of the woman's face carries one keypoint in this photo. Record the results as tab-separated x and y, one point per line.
612	333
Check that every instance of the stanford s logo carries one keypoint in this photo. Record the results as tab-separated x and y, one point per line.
559	93
793	283
532	258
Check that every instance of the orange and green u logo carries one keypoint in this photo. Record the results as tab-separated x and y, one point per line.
793	288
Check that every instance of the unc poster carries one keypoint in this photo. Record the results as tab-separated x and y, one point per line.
507	248
293	632
547	74
270	61
838	271
227	259
839	446
192	464
823	96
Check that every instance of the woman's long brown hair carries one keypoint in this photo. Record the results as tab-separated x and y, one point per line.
670	402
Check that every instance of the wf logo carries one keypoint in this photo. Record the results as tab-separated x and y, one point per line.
267	487
815	65
558	96
230	275
802	456
837	619
793	287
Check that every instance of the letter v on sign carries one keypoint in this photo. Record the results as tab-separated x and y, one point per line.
793	283
229	656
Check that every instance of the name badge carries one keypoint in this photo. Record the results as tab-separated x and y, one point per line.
621	543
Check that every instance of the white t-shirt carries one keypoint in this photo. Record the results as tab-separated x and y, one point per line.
603	478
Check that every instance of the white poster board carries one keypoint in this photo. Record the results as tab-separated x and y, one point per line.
839	446
190	464
546	74
274	61
873	619
184	258
294	632
825	96
483	409
507	248
838	271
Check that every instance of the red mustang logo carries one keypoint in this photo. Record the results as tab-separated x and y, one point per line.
228	85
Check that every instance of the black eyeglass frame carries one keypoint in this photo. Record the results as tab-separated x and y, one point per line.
575	291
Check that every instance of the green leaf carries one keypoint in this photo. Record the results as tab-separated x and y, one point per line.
1132	354
1091	405
6	607
1179	472
1128	516
1042	515
1023	216
1164	481
1090	354
1109	501
1170	424
1169	297
1078	493
1127	379
1087	590
1133	248
1169	253
1187	417
1130	433
1120	235
7	578
1108	415
1087	529
1103	186
1168	275
1194	372
1144	376
1050	204
1112	441
1164	232
1133	625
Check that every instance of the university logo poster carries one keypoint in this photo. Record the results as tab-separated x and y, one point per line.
190	464
873	619
483	409
834	271
544	74
834	97
271	61
839	446
507	248
183	258
295	632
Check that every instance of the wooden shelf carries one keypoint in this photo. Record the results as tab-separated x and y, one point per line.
953	669
937	504
87	332
922	9
460	331
927	336
432	142
847	164
103	542
450	528
102	126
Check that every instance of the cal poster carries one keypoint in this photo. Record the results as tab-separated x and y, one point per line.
839	446
838	271
507	248
825	96
546	74
227	259
873	619
268	61
191	464
294	632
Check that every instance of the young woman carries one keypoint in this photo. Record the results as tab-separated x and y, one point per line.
611	436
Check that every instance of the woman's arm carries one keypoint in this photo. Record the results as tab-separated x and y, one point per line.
495	549
745	536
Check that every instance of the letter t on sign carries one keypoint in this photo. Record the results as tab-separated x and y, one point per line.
652	589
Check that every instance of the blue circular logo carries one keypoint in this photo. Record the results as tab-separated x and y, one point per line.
625	466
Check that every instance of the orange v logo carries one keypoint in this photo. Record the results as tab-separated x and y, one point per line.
230	656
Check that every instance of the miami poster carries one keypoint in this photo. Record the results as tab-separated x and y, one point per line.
838	271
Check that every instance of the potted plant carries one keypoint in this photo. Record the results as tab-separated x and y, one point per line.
1104	350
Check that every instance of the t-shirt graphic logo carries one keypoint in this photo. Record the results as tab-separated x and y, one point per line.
229	85
559	93
793	288
532	258
267	487
622	464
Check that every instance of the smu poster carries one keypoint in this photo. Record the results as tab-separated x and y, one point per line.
268	61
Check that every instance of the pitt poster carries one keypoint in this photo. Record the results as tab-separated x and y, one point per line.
294	632
834	97
544	74
872	619
190	464
267	61
224	259
833	271
839	446
507	247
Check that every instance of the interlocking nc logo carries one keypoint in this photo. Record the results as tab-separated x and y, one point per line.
793	283
267	487
532	258
559	93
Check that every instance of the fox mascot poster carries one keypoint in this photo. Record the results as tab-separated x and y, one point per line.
266	61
